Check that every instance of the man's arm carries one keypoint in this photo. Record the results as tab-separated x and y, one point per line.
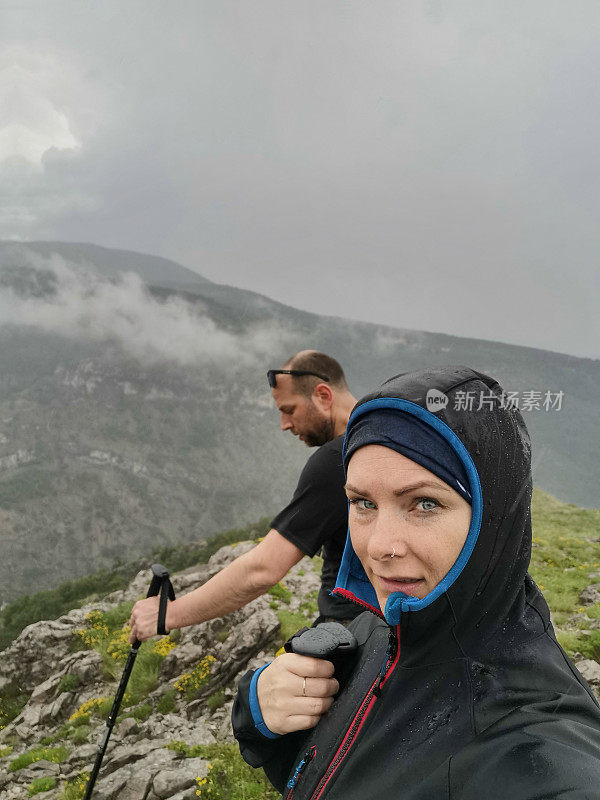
240	582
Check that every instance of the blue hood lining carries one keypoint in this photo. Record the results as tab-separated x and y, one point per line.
351	575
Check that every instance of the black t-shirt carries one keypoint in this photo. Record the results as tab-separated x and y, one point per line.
317	517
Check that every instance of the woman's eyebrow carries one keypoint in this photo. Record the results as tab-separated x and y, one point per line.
398	492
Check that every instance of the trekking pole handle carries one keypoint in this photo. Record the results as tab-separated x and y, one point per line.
160	584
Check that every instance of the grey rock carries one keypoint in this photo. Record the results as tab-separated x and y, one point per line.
23	731
59	709
51	638
85	753
39	769
134	777
590	671
87	667
168	782
45	766
190	579
225	555
173	727
128	727
125	754
109	788
46	691
590	595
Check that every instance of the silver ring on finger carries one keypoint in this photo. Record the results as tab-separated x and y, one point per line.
304	687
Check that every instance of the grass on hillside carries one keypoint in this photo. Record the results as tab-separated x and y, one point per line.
565	557
54	754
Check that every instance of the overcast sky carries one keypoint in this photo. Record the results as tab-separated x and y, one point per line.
427	164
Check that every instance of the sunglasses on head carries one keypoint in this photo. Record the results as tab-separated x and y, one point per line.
273	373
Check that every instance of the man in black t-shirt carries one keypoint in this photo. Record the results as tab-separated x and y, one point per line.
317	517
314	402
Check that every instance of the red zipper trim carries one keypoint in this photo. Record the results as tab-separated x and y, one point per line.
361	714
349	596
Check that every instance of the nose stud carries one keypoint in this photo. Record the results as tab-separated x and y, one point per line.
393	552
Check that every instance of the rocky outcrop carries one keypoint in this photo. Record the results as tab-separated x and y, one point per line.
590	670
590	595
138	764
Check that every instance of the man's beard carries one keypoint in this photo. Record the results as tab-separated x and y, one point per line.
322	430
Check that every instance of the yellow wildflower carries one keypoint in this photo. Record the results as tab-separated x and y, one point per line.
163	647
87	708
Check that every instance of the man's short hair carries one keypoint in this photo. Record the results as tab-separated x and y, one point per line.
314	361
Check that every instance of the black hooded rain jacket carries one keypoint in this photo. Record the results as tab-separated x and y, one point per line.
464	694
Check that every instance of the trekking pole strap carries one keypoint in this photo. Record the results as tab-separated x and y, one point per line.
166	592
161	584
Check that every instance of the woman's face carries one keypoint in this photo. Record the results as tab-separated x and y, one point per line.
398	505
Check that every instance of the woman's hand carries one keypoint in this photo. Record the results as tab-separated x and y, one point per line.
295	691
144	619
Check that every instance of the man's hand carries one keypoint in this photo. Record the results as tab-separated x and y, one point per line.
284	706
144	619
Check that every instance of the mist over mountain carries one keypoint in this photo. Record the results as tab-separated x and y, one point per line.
134	409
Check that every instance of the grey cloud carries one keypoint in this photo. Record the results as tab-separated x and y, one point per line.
122	311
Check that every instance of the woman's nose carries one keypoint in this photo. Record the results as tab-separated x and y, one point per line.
388	538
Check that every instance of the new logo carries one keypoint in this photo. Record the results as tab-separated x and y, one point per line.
435	400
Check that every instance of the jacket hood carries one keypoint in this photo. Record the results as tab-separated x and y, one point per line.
490	438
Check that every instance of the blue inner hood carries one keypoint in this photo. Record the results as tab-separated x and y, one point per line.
352	580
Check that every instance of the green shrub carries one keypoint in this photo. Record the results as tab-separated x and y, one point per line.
577	642
76	731
166	703
55	754
68	683
5	751
41	785
289	623
82	720
215	700
75	788
79	734
106	705
12	701
141	712
280	592
190	683
309	605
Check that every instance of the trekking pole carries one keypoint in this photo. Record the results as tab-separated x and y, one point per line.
160	584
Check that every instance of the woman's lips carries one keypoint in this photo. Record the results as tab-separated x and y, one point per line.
407	585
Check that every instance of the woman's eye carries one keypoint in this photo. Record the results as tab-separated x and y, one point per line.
427	503
362	503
